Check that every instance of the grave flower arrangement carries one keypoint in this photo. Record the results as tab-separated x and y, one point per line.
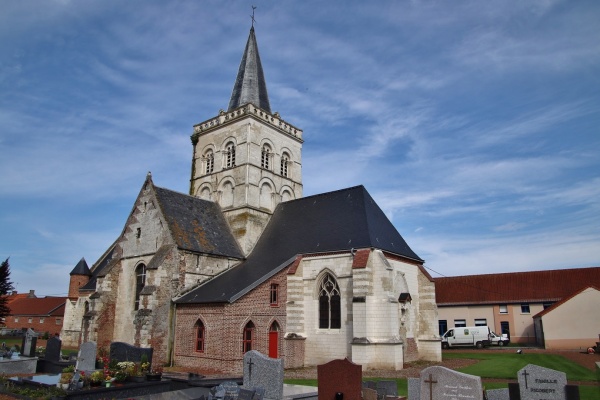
96	378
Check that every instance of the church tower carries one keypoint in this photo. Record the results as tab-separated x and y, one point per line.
247	159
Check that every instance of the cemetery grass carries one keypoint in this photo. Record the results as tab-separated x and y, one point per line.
506	365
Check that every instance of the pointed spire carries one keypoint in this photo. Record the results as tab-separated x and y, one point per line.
81	268
250	85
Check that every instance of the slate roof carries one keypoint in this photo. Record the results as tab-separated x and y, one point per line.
81	268
250	85
99	267
38	306
515	287
329	222
197	225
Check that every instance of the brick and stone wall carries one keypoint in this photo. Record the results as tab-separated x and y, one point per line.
224	325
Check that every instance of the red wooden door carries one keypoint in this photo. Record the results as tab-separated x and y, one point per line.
273	344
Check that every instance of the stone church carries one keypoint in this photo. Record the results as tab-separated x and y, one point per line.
244	261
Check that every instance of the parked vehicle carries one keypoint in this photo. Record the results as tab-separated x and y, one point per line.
496	340
467	336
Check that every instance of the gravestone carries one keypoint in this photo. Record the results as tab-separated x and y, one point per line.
369	394
443	383
414	388
339	376
537	383
29	343
120	351
387	388
231	390
245	394
265	372
74	381
497	394
86	359
53	346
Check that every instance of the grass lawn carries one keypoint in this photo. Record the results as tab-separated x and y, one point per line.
504	366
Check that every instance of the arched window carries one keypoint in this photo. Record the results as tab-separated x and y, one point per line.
248	337
284	164
329	304
230	156
140	274
209	159
265	157
200	337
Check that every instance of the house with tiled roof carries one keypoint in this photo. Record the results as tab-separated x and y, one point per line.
245	262
42	314
507	302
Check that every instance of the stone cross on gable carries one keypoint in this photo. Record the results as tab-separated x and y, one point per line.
431	382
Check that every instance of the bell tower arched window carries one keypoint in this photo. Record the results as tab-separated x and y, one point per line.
330	315
140	282
284	164
230	156
209	159
265	157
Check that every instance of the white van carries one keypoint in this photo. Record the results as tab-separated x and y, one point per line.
473	336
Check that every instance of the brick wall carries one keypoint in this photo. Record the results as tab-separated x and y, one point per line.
52	324
224	325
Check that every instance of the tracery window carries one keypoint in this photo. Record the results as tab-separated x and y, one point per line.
265	157
200	336
248	337
209	159
284	164
140	274
329	304
230	156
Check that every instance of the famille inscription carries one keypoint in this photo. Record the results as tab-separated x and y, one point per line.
538	383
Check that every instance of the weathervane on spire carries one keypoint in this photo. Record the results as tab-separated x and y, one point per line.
252	16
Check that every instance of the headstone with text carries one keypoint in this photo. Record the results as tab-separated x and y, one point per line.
86	359
339	376
265	372
443	383
536	383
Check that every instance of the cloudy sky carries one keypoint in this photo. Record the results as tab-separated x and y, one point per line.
473	124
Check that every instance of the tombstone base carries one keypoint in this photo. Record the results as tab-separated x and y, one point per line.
21	365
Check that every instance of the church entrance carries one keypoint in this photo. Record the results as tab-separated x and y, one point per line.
274	340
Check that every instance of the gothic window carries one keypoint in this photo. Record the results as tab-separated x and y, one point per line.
200	336
209	159
230	156
140	274
248	337
284	164
274	300
265	157
329	304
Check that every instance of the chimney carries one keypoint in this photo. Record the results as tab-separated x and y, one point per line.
31	294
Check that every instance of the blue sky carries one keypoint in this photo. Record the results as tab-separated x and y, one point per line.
473	124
